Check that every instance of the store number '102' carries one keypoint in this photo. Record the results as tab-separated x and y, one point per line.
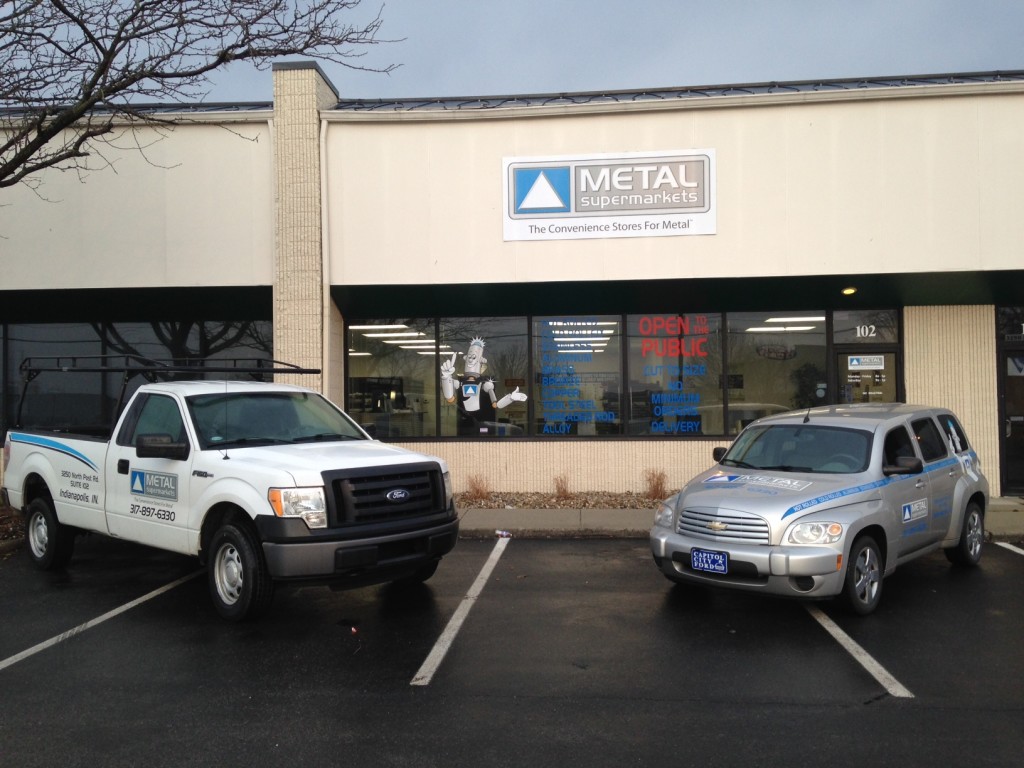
866	331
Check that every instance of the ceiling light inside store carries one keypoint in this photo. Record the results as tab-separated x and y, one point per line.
375	327
795	320
781	329
580	323
394	335
849	291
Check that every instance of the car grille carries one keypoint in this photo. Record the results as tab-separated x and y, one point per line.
384	495
724	525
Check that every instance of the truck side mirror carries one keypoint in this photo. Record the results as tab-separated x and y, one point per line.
718	454
905	465
157	446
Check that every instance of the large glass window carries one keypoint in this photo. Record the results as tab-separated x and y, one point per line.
87	401
776	362
578	375
675	374
483	369
392	377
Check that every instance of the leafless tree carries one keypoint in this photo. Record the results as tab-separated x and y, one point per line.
73	70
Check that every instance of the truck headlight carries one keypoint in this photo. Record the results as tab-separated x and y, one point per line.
815	533
307	503
449	494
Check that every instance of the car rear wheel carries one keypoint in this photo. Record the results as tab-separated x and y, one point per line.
972	536
863	585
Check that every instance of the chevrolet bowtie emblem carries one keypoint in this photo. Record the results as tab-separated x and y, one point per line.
714	525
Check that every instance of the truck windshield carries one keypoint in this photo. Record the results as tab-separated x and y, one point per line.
801	448
226	420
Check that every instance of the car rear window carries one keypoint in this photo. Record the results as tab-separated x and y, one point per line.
954	433
930	439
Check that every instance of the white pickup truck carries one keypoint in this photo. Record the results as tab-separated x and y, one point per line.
263	482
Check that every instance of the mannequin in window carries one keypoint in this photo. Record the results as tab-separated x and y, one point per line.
473	391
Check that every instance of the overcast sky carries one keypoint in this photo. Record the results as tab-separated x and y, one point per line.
505	47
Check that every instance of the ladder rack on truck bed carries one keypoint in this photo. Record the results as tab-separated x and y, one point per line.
130	366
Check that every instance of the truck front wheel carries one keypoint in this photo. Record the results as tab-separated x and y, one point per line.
240	583
50	543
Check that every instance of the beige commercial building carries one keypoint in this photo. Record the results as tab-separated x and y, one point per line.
644	272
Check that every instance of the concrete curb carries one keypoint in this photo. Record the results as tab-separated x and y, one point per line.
1004	521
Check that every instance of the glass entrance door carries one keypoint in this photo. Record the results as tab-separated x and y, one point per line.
1013	423
868	377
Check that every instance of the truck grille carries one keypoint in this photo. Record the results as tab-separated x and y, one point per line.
365	497
724	525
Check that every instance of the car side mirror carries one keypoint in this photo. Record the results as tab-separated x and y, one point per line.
718	454
156	446
905	465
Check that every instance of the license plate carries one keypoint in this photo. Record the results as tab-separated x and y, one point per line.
710	562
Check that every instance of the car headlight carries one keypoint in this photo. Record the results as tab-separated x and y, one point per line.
307	503
665	512
815	533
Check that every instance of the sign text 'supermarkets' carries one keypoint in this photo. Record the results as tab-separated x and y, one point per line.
598	196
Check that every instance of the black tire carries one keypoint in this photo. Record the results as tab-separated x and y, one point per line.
239	580
862	587
972	537
50	543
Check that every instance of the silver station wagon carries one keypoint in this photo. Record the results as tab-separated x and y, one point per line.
827	502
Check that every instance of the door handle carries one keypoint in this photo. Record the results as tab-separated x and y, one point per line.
122	466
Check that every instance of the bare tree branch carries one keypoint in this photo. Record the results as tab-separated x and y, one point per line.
72	70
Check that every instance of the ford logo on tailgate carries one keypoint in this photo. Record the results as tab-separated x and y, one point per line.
398	495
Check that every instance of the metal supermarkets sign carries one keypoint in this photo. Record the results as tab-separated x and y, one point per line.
600	196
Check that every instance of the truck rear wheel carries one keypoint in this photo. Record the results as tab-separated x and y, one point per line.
50	543
240	583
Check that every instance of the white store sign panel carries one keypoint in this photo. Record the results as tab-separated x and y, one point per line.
599	196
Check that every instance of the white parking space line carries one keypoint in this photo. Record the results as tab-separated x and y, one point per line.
12	660
444	642
876	670
1010	547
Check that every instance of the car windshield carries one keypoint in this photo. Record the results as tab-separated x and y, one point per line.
233	420
801	448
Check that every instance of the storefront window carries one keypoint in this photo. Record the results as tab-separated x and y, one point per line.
776	362
578	375
90	398
482	370
868	326
675	374
392	386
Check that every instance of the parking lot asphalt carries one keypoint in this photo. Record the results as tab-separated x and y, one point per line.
575	653
1004	521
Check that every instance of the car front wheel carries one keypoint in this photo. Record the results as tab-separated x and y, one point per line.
863	585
